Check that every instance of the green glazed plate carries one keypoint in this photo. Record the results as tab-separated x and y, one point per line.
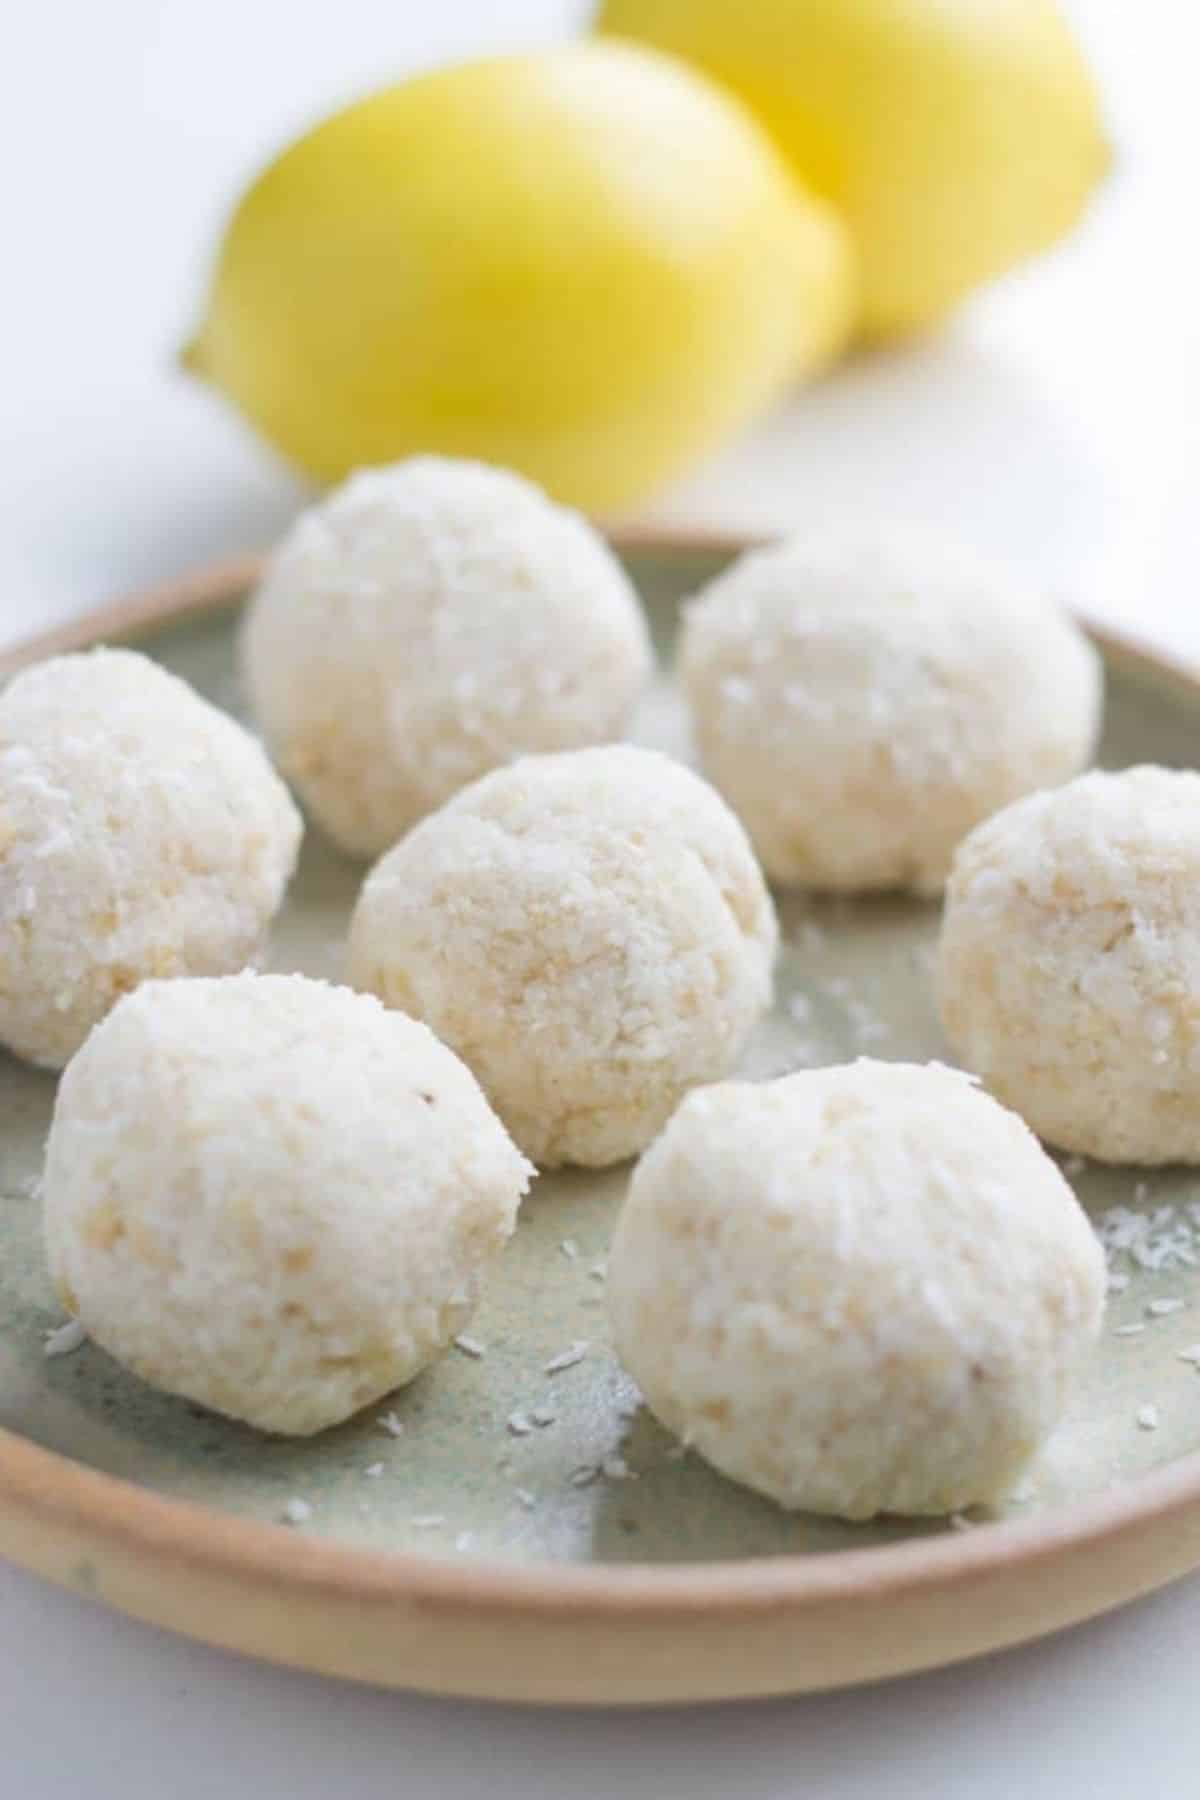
537	1535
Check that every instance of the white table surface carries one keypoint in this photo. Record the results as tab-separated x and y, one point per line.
1056	424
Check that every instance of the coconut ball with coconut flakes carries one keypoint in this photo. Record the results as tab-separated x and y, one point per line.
1069	963
425	623
589	931
863	700
142	833
273	1196
857	1290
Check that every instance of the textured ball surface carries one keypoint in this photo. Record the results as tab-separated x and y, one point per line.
590	932
863	703
857	1290
272	1196
426	623
1069	963
142	833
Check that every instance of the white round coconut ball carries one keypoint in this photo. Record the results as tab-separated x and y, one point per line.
1068	969
862	702
143	833
589	931
273	1196
857	1290
425	623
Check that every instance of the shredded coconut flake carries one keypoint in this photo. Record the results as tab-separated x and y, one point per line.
1159	1309
392	1423
1190	1355
566	1359
65	1338
464	1540
541	1416
519	1424
527	1498
297	1512
1147	1417
470	1346
598	1271
1128	1330
583	1476
615	1468
569	1248
373	1470
1162	1239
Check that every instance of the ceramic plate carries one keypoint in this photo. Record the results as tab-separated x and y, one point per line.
535	1535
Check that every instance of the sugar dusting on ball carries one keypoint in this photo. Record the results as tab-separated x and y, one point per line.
589	931
272	1196
426	623
862	702
858	1290
142	833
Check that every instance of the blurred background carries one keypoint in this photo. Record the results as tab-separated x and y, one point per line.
1053	419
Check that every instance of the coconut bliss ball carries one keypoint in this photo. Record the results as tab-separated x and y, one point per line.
589	931
142	833
1069	963
857	1290
863	702
426	623
273	1196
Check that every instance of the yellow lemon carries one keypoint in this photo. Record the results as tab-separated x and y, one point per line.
589	264
955	136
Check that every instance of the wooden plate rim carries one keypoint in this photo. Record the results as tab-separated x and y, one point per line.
40	1489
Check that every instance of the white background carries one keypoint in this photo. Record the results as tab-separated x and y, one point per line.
1056	424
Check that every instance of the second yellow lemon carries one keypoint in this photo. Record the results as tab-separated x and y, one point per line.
590	264
956	136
